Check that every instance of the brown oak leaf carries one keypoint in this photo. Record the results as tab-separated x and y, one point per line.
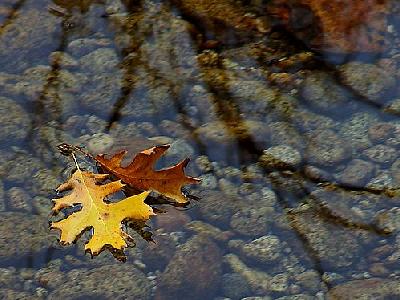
140	174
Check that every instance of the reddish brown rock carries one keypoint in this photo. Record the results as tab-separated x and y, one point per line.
221	19
339	26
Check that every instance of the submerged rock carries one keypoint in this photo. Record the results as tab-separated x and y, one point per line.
31	34
326	148
355	130
23	234
280	157
357	173
260	282
265	249
14	121
235	286
105	282
368	80
193	272
252	221
212	210
323	92
338	26
373	288
381	154
284	133
330	244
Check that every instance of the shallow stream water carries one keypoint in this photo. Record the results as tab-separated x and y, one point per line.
291	123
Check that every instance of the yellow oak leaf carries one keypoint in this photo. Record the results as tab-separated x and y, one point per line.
105	219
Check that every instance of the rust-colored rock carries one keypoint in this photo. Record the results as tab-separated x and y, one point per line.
338	26
221	19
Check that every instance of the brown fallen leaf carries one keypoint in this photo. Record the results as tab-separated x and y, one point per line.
140	174
105	219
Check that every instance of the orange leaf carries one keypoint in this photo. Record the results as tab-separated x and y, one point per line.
140	174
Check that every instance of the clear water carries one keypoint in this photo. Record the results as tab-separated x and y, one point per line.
107	76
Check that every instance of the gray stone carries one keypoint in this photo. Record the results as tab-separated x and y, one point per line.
322	91
64	60
212	210
280	157
15	121
259	282
265	249
355	130
208	182
99	61
308	121
395	172
81	47
252	221
371	81
19	199
279	283
382	180
105	88
109	281
389	220
332	245
357	173
310	280
283	133
2	197
380	132
381	154
209	231
234	286
327	148
33	35
23	234
256	98
100	143
194	271
393	107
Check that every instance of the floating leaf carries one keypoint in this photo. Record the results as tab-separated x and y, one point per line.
140	174
105	219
